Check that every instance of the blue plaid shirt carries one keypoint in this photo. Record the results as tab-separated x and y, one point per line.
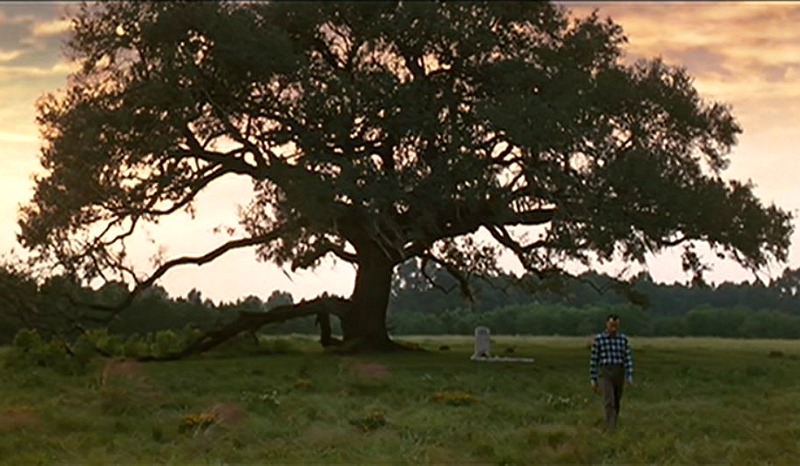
608	350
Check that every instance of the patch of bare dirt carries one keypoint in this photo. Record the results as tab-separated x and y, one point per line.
19	419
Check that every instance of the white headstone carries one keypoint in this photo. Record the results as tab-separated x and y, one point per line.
482	348
482	343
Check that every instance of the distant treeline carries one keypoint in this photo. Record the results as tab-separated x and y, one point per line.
557	319
578	307
419	305
55	307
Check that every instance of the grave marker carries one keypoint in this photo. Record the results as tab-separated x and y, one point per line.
483	346
482	343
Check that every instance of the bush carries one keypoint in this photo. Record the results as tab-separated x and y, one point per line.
29	349
162	343
104	342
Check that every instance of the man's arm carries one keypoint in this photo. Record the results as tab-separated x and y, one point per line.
594	361
628	361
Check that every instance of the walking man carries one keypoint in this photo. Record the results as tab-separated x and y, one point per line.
611	360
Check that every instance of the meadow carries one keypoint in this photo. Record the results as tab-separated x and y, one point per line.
695	401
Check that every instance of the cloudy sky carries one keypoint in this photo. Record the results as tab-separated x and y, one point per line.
746	54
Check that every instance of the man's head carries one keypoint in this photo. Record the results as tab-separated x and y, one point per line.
612	324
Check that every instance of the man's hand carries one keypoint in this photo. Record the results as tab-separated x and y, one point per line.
595	388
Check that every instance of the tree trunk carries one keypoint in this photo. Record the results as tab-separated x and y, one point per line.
364	327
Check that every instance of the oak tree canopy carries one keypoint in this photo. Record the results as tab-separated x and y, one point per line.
380	132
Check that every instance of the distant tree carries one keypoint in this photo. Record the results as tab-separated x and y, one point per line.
279	298
18	301
194	296
379	132
770	324
787	289
112	291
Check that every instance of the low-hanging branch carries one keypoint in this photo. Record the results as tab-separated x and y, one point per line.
325	248
252	321
453	270
114	310
502	236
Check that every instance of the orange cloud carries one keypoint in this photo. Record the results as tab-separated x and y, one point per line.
743	53
9	56
52	28
14	74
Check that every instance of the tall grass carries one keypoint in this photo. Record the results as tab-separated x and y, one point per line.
695	401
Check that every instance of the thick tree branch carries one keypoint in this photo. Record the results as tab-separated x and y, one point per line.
322	251
194	186
463	280
430	279
114	310
252	321
208	257
502	236
529	217
674	242
231	160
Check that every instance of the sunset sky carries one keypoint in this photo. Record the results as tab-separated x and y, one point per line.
746	54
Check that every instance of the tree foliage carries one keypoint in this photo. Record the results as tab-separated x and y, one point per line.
380	132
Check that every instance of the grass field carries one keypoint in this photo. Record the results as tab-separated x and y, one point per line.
695	401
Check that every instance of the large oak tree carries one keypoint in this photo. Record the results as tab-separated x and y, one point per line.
379	132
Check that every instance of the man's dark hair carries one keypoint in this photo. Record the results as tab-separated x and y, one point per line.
612	317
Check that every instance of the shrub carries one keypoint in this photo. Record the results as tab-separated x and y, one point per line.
167	342
105	342
31	350
161	343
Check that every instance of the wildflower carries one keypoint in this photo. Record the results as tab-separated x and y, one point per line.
197	422
372	420
454	398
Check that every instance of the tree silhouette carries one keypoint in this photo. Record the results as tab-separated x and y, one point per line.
380	132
